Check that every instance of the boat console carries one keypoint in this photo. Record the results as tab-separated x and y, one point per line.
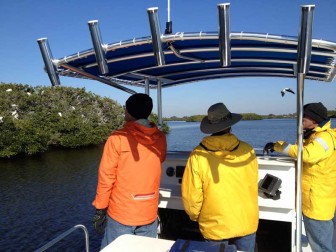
279	167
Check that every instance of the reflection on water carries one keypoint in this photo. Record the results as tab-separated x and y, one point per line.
44	196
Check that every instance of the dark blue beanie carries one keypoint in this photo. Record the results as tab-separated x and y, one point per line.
316	111
139	106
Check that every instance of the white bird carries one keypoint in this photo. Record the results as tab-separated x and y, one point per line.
15	114
60	114
288	90
1	119
9	90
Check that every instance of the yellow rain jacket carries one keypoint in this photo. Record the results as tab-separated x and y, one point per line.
318	172
220	187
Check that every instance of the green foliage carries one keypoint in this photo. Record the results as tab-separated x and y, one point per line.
164	127
35	118
194	118
251	116
198	118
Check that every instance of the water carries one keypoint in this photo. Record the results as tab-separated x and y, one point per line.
45	195
187	135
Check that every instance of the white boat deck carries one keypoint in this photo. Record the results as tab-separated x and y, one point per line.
128	243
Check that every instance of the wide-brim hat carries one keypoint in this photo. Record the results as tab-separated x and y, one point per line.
219	118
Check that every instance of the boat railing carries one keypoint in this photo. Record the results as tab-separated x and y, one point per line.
63	235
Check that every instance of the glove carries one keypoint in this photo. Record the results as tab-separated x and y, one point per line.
269	147
99	221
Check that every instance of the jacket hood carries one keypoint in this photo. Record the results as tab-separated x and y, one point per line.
143	134
221	146
326	127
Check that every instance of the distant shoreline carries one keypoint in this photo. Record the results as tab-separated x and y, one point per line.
246	116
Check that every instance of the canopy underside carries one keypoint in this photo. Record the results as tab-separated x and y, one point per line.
191	57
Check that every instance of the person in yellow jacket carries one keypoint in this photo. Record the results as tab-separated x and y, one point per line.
129	174
220	183
318	175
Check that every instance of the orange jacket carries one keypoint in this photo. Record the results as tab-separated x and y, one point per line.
129	174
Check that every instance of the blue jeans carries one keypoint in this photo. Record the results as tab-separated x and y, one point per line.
319	234
244	243
334	239
115	229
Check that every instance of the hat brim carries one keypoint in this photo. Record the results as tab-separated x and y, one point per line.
210	128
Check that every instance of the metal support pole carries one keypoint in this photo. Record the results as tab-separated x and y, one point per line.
156	35
303	62
94	77
300	89
224	34
98	47
48	61
147	86
159	102
305	38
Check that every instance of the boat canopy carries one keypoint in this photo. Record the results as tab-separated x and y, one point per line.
191	57
184	57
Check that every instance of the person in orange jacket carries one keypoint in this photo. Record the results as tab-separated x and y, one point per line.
129	174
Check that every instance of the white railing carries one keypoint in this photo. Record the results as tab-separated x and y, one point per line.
66	233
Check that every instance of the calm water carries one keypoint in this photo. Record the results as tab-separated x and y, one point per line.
43	196
185	136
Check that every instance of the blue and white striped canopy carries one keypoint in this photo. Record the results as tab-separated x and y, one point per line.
191	57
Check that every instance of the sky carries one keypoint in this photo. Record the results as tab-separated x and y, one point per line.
65	24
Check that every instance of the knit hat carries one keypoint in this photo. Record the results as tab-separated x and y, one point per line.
315	111
139	106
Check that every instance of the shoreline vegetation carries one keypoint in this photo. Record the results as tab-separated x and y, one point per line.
35	119
246	116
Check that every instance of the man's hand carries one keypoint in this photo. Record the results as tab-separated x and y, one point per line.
99	220
269	147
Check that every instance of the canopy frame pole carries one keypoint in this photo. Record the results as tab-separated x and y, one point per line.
147	86
93	77
156	35
159	102
224	34
49	62
303	62
98	47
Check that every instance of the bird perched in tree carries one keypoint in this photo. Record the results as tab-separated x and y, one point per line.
286	90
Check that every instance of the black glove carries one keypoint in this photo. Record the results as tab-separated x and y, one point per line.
99	221
269	147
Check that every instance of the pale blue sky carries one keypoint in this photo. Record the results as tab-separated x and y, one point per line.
64	23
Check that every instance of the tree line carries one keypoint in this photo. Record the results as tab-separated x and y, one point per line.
246	116
33	119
